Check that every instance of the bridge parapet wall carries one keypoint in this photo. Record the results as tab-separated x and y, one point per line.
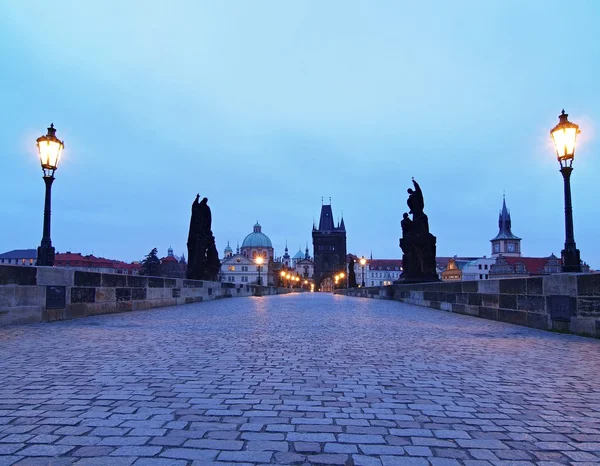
46	294
562	302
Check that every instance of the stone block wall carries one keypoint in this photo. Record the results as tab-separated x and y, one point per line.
43	294
563	302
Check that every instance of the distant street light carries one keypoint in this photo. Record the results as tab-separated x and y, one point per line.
259	262
564	135
363	262
50	149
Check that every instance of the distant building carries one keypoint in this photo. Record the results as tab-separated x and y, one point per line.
505	242
240	269
171	266
92	263
26	257
511	267
478	269
454	269
257	244
304	266
228	252
329	242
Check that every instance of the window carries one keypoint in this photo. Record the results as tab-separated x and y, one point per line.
480	277
479	266
231	268
30	261
372	283
245	278
485	266
244	268
3	261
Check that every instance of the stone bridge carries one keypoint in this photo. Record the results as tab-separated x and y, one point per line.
306	379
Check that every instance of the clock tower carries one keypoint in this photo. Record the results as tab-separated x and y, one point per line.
505	243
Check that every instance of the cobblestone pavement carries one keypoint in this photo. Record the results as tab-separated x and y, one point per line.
296	379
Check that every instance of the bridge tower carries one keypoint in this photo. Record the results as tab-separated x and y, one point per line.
329	247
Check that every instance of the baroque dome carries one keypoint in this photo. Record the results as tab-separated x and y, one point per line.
257	239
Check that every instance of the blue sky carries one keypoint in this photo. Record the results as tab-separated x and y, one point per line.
266	106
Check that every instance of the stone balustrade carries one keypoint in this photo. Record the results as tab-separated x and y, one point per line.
562	302
45	294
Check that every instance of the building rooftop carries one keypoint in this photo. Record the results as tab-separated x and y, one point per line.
20	254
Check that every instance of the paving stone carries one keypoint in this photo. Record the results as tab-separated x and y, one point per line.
159	462
45	450
136	451
104	461
208	444
329	459
266	445
190	454
93	451
40	461
340	448
250	456
403	461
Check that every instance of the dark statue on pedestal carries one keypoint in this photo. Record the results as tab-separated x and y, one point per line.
417	244
203	258
351	274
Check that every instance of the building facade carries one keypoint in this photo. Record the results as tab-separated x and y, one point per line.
240	269
478	269
27	257
329	249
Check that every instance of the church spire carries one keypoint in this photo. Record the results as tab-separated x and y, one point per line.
505	242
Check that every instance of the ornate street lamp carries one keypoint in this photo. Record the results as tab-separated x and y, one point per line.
363	262
564	136
259	262
50	149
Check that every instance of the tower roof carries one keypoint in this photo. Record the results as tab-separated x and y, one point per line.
504	224
326	220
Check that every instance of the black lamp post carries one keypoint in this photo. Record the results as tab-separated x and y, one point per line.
564	135
363	262
259	263
50	149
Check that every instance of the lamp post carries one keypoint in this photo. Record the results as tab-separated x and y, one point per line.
363	262
282	274
50	149
564	136
259	262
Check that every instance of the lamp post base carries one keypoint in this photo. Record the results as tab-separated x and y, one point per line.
571	260
45	256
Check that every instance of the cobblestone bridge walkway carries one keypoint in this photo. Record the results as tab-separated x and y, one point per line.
296	379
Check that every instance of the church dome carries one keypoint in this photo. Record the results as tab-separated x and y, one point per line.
228	249
257	239
299	255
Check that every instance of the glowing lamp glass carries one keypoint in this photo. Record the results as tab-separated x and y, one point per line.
564	136
50	149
